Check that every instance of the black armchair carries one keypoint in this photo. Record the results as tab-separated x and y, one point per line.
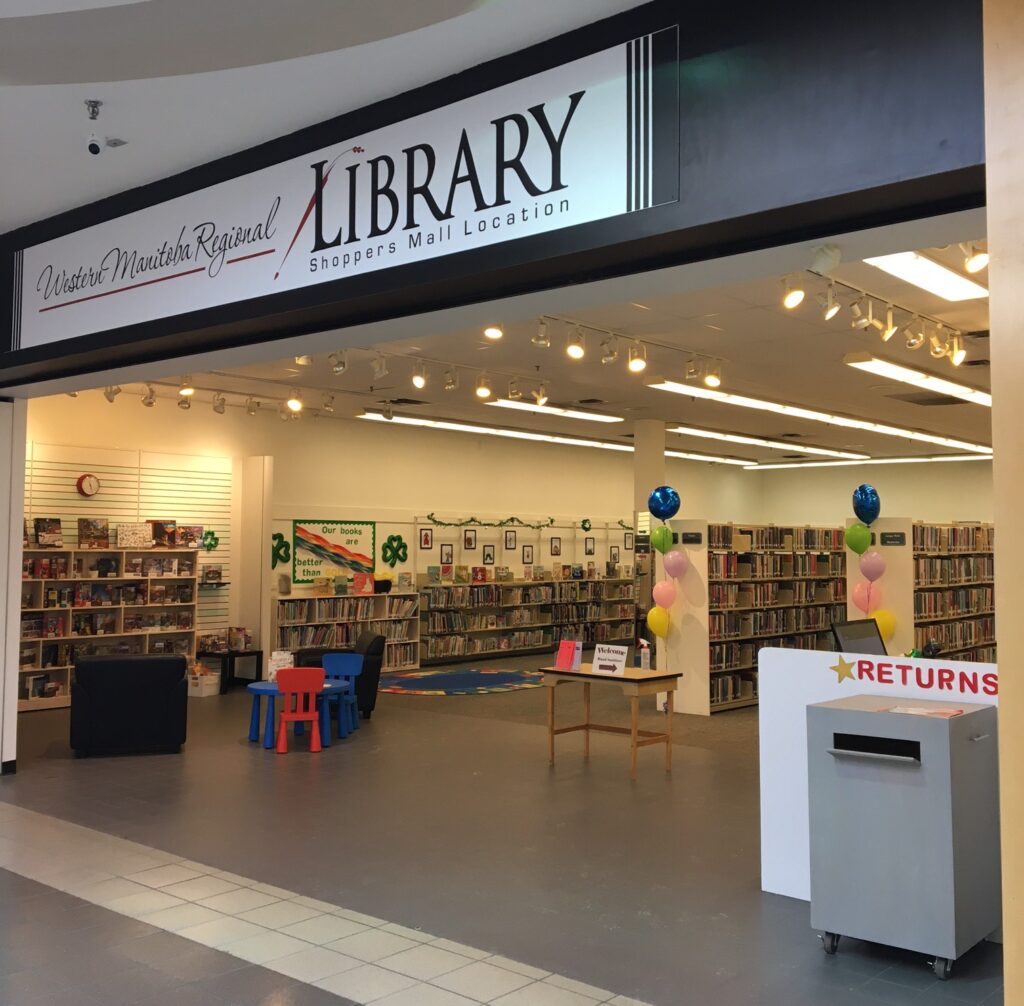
129	704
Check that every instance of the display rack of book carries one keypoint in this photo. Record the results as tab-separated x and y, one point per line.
595	611
954	589
338	621
99	602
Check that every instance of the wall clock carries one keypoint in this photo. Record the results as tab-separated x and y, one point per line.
87	485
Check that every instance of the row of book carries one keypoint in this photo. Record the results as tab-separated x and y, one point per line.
595	591
94	533
527	595
489	596
164	621
952	603
954	538
723	596
401	656
90	594
930	570
727	655
302	637
728	536
955	635
780	565
437	647
56	567
576	612
403	607
325	609
728	625
732	688
597	632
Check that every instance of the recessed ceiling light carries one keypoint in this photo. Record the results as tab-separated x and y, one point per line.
917	378
740	438
554	410
494	332
928	275
872	461
812	415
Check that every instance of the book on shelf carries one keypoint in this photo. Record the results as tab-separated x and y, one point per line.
213	572
135	535
502	574
447	569
93	532
362	583
165	533
611	570
433	574
189	535
462	574
591	570
479	574
49	532
577	572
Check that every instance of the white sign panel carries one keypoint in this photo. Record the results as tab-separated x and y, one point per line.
791	680
609	659
568	146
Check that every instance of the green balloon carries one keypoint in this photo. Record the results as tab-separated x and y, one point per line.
661	538
858	538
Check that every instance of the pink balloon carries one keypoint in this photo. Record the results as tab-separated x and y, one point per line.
664	593
872	565
862	596
874	598
676	563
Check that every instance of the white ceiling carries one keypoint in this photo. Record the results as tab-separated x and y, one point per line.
176	122
793	357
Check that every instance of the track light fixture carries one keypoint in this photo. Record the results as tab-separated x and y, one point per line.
220	403
419	376
576	348
889	330
338	362
389	411
541	338
379	365
515	393
957	352
793	296
637	358
938	344
72	394
713	376
328	404
111	391
483	386
294	402
149	398
185	403
540	395
857	311
494	332
975	260
864	320
282	413
186	390
451	379
609	350
693	369
302	360
251	405
915	334
829	303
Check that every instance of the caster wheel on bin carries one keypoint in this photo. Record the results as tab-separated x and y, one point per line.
830	941
942	967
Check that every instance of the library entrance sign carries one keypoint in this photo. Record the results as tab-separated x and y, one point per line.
567	146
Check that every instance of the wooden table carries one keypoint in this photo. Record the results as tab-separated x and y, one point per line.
633	683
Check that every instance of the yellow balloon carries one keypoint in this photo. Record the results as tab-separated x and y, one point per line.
886	622
659	621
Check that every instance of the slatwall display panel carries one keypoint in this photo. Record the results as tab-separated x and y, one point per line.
193	490
138	486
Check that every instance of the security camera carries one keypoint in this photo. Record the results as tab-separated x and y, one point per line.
93	144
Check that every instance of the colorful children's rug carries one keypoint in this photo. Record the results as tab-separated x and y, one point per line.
460	682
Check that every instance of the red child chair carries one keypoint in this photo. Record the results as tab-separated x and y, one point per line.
299	687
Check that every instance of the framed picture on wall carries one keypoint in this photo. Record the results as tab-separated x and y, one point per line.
527	555
488	555
469	539
447	554
588	546
510	541
627	543
426	538
613	553
556	546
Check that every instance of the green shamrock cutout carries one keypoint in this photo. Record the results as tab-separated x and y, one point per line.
210	541
585	524
394	550
280	552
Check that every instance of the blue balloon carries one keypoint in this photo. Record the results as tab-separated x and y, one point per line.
866	503
664	503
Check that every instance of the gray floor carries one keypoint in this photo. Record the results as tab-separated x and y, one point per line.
56	950
442	813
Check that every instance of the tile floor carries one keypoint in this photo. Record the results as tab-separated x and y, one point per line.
441	816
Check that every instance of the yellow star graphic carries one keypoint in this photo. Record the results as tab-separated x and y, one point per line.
844	670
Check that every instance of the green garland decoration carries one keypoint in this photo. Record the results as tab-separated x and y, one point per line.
624	525
476	522
585	524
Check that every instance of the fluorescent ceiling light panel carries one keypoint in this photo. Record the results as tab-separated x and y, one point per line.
918	378
552	410
928	275
546	438
796	412
782	445
872	461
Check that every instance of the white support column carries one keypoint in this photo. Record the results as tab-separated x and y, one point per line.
12	522
1004	142
255	476
648	473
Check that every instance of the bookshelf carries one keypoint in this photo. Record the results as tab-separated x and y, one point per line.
954	589
338	621
747	587
522	617
95	602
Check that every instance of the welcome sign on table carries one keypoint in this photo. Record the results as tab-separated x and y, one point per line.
610	659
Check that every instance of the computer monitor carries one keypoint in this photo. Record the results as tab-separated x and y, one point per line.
859	636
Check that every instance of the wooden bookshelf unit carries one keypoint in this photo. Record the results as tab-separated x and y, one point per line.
338	621
92	602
